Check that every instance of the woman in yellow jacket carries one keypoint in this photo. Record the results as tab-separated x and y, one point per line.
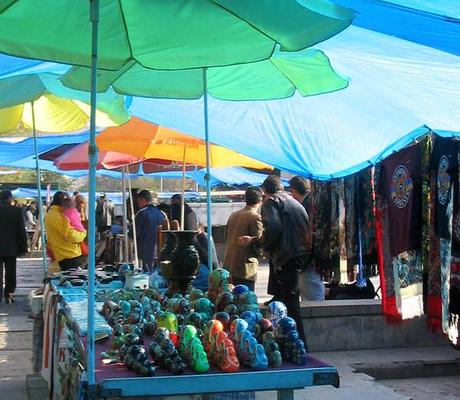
63	241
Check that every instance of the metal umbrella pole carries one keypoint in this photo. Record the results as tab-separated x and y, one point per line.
361	280
93	155
131	204
39	189
125	215
182	203
208	173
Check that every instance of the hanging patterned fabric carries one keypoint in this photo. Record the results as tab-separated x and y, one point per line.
427	206
321	205
453	327
360	204
337	245
384	258
444	169
398	234
326	216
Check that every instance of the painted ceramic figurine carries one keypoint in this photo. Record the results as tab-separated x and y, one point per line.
276	311
219	282
220	348
163	351
271	349
247	301
226	358
168	320
293	348
249	351
178	305
222	300
195	294
204	307
251	318
135	358
192	350
196	320
263	325
224	318
212	328
237	327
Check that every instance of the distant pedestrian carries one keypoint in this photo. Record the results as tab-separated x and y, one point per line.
13	243
149	221
36	238
31	210
105	213
242	260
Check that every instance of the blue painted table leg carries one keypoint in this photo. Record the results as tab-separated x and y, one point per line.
285	394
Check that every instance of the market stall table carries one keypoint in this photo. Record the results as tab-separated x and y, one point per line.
115	380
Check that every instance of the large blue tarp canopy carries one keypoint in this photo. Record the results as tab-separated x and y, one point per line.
434	25
402	59
11	152
398	91
20	154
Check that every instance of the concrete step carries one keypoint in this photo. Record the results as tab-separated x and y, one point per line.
409	369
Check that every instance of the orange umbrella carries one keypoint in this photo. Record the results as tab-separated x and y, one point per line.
144	139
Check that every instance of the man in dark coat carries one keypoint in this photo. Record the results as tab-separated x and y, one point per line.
311	285
13	242
286	239
149	221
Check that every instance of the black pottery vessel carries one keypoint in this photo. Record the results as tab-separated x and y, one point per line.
168	247
185	262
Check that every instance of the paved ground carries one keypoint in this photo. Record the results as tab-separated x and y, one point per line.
16	352
16	334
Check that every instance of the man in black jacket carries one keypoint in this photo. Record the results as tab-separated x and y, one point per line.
13	242
311	286
286	238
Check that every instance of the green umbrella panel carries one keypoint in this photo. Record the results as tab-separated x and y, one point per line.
172	34
307	71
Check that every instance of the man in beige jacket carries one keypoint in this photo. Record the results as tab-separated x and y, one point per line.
242	260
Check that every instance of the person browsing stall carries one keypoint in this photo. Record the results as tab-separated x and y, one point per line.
64	242
149	221
285	240
311	286
242	260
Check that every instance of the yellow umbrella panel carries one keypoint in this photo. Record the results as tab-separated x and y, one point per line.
52	114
